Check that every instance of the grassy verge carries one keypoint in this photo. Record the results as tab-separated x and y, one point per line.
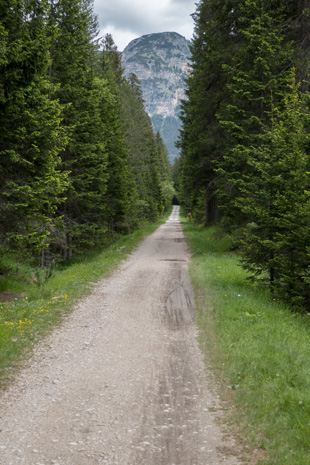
258	348
36	310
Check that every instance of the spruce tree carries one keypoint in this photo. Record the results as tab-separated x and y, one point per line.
120	193
142	151
216	39
277	199
31	135
164	170
74	67
259	68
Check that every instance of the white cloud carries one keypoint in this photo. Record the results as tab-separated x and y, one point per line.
128	19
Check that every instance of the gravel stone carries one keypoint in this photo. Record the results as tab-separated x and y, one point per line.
137	393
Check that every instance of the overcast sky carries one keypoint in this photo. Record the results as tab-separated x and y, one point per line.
128	19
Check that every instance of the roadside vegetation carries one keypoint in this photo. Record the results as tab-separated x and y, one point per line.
245	139
258	348
80	165
37	301
79	160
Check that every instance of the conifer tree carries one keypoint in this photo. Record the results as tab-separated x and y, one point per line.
276	196
31	136
142	151
120	194
246	133
259	68
75	65
216	39
164	171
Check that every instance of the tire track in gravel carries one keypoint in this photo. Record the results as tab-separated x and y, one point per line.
122	381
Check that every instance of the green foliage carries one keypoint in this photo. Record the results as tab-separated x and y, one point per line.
276	195
43	275
258	350
245	136
121	190
70	178
85	157
147	155
216	40
263	172
163	169
259	68
32	135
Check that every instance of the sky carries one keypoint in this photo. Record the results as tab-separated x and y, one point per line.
126	20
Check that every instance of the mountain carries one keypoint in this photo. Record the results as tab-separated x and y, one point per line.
160	62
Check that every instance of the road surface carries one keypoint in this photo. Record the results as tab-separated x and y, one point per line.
122	381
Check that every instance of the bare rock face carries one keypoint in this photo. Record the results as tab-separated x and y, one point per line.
161	63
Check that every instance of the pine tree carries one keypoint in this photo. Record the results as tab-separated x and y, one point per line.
216	39
112	61
297	30
260	67
120	194
31	135
164	171
75	66
246	133
142	151
277	198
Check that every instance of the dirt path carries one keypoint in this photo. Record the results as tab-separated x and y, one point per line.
122	381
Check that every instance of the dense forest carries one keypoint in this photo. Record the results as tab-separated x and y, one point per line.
245	141
79	162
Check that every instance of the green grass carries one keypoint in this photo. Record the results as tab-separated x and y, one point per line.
36	310
259	351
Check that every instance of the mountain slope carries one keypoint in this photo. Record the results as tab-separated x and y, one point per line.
160	61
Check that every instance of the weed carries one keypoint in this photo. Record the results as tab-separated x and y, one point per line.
41	276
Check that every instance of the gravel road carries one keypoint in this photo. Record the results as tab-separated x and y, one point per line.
122	381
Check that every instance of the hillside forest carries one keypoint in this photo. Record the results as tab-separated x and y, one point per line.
79	161
245	143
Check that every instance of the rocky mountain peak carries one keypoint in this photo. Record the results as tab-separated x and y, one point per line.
160	61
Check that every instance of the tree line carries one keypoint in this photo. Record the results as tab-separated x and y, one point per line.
245	140
79	161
